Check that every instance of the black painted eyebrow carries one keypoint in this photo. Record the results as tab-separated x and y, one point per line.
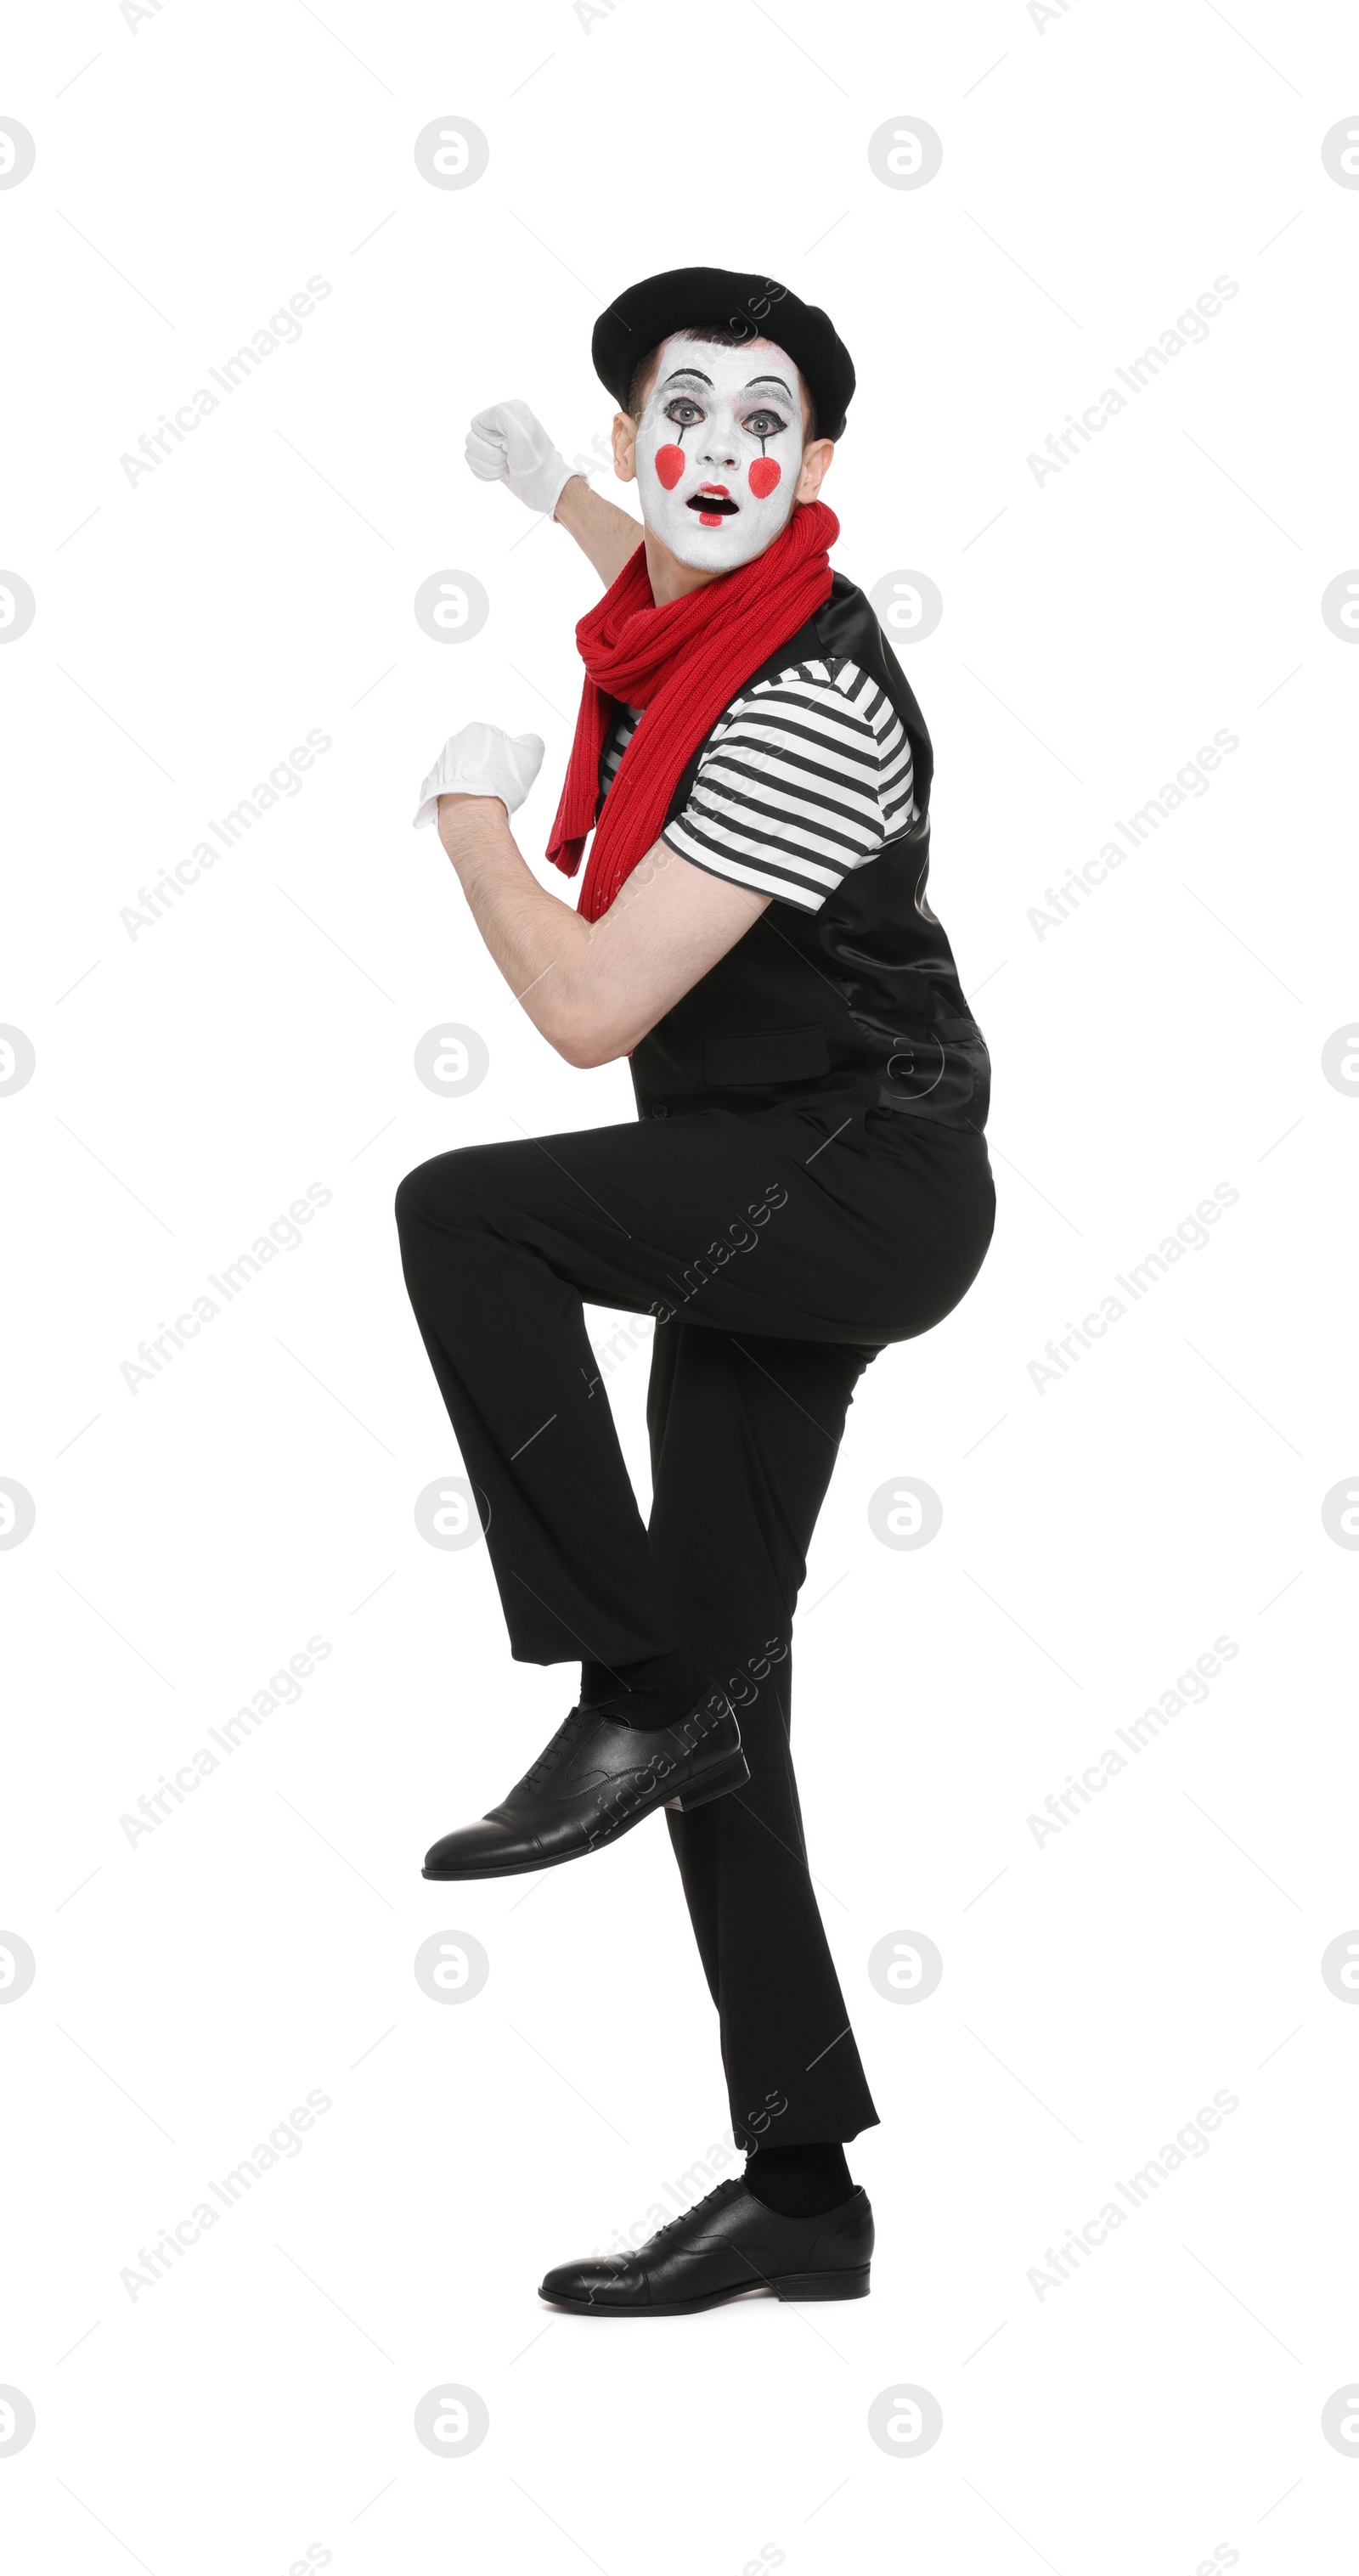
698	373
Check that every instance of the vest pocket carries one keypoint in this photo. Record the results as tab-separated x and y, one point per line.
765	1055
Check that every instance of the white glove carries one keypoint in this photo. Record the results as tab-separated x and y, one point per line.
482	761
507	445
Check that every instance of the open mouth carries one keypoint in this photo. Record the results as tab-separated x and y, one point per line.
713	504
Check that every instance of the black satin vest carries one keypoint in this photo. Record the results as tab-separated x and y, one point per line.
860	999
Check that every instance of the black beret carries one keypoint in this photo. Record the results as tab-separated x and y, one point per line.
685	299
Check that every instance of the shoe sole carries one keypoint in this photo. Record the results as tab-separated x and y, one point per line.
733	1775
792	2286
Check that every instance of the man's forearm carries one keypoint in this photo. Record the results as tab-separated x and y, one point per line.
606	534
540	945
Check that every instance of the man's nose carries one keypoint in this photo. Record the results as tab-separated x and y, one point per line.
719	445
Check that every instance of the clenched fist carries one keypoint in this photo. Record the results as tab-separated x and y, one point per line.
482	761
507	445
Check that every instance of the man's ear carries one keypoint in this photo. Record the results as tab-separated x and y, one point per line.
624	447
815	460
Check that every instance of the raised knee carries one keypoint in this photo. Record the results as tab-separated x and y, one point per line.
415	1194
453	1191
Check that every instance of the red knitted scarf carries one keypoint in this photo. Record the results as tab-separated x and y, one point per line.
683	664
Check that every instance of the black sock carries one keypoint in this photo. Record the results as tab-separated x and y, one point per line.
654	1692
799	2182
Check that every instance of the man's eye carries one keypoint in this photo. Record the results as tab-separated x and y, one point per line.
765	424
683	411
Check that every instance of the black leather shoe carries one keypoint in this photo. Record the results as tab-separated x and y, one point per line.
594	1780
726	2247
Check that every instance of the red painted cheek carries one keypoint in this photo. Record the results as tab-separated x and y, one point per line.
670	466
764	474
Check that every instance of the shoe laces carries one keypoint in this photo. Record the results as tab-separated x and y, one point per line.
720	2191
563	1742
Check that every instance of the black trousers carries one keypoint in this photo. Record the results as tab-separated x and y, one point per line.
779	1250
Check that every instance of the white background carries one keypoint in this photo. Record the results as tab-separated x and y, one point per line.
1098	173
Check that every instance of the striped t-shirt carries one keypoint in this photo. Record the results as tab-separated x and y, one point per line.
803	778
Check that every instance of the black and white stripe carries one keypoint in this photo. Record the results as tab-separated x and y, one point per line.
616	742
803	779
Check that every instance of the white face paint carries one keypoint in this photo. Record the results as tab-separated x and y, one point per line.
721	426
